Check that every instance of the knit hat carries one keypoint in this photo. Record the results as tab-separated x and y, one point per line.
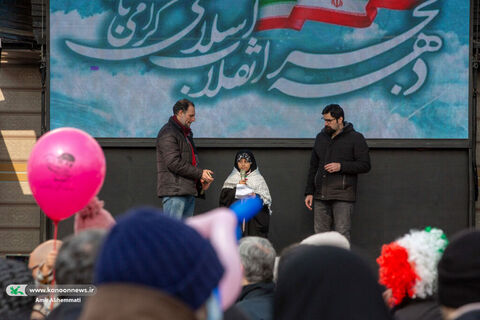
459	271
146	247
93	216
408	266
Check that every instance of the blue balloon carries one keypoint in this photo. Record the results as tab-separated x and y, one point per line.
247	208
239	232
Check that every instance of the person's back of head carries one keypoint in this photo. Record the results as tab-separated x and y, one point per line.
258	258
408	265
459	271
14	307
330	238
329	283
39	255
76	258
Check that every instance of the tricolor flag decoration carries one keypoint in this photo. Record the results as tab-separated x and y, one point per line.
408	266
292	14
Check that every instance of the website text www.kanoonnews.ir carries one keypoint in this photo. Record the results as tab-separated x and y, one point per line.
52	292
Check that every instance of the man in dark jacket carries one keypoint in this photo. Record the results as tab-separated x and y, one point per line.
339	154
179	179
258	258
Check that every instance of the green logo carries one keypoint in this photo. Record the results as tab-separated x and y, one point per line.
15	291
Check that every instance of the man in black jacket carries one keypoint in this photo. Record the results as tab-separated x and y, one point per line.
179	179
339	154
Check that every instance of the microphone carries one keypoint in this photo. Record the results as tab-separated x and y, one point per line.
243	174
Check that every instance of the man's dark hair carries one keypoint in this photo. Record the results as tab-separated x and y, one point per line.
335	110
182	105
76	258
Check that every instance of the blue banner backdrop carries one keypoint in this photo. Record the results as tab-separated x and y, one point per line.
261	69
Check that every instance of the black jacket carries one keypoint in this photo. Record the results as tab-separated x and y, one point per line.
350	149
472	315
67	311
418	309
256	300
176	176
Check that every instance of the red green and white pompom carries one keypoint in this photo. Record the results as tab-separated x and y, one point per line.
408	266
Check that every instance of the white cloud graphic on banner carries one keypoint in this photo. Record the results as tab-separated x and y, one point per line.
360	36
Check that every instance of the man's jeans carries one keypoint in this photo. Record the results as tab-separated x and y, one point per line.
333	212
179	207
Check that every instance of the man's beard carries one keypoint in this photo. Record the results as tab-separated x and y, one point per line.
329	130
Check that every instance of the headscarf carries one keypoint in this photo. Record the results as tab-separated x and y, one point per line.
255	180
248	156
328	283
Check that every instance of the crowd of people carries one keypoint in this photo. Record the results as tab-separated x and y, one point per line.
147	265
158	264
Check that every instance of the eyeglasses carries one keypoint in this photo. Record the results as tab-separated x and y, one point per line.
329	120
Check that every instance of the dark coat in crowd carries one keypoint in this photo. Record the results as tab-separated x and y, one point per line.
126	302
348	148
470	311
234	313
256	300
327	283
472	315
418	309
176	175
67	311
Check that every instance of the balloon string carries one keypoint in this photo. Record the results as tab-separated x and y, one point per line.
55	232
243	222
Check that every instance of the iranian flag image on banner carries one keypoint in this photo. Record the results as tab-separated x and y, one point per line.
278	14
274	14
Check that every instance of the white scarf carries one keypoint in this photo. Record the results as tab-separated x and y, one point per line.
255	181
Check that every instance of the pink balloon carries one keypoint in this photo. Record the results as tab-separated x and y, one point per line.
219	226
66	168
